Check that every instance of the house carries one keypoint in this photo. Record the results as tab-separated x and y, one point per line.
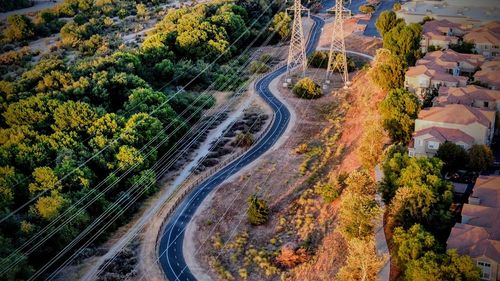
470	95
426	142
453	62
486	39
441	68
489	75
421	79
478	233
457	123
440	33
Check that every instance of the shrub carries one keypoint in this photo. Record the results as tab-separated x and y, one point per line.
289	257
327	190
367	9
244	139
258	211
319	59
306	88
258	67
266	58
396	7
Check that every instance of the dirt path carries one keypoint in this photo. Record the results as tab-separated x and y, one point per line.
33	9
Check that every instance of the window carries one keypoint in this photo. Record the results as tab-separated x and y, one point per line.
432	145
418	142
485	270
486	104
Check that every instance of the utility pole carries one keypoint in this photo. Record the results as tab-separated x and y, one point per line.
337	58
297	51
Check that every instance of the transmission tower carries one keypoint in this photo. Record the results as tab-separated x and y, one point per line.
297	51
337	59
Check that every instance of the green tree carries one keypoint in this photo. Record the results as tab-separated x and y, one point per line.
481	157
306	88
404	41
19	27
142	128
44	179
74	116
357	214
399	110
258	211
127	157
22	270
233	24
386	21
282	25
396	7
449	266
453	156
8	180
48	207
413	243
367	9
422	196
387	71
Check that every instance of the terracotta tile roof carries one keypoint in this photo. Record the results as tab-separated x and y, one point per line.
435	72
466	95
480	215
482	36
479	234
458	114
490	77
450	59
445	134
473	241
487	188
491	65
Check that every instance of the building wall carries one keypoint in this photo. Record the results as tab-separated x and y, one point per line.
495	269
421	146
480	133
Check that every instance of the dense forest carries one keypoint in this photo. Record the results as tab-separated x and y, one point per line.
82	125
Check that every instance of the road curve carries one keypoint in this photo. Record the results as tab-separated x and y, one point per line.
170	247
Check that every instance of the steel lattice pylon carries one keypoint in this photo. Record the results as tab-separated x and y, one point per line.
297	50
337	58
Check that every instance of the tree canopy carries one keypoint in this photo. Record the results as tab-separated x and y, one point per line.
399	110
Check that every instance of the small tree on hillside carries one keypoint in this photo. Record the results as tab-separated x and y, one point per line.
306	88
362	262
481	157
258	211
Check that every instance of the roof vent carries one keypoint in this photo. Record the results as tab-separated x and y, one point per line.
473	200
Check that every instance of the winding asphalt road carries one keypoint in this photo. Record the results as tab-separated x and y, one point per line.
170	248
